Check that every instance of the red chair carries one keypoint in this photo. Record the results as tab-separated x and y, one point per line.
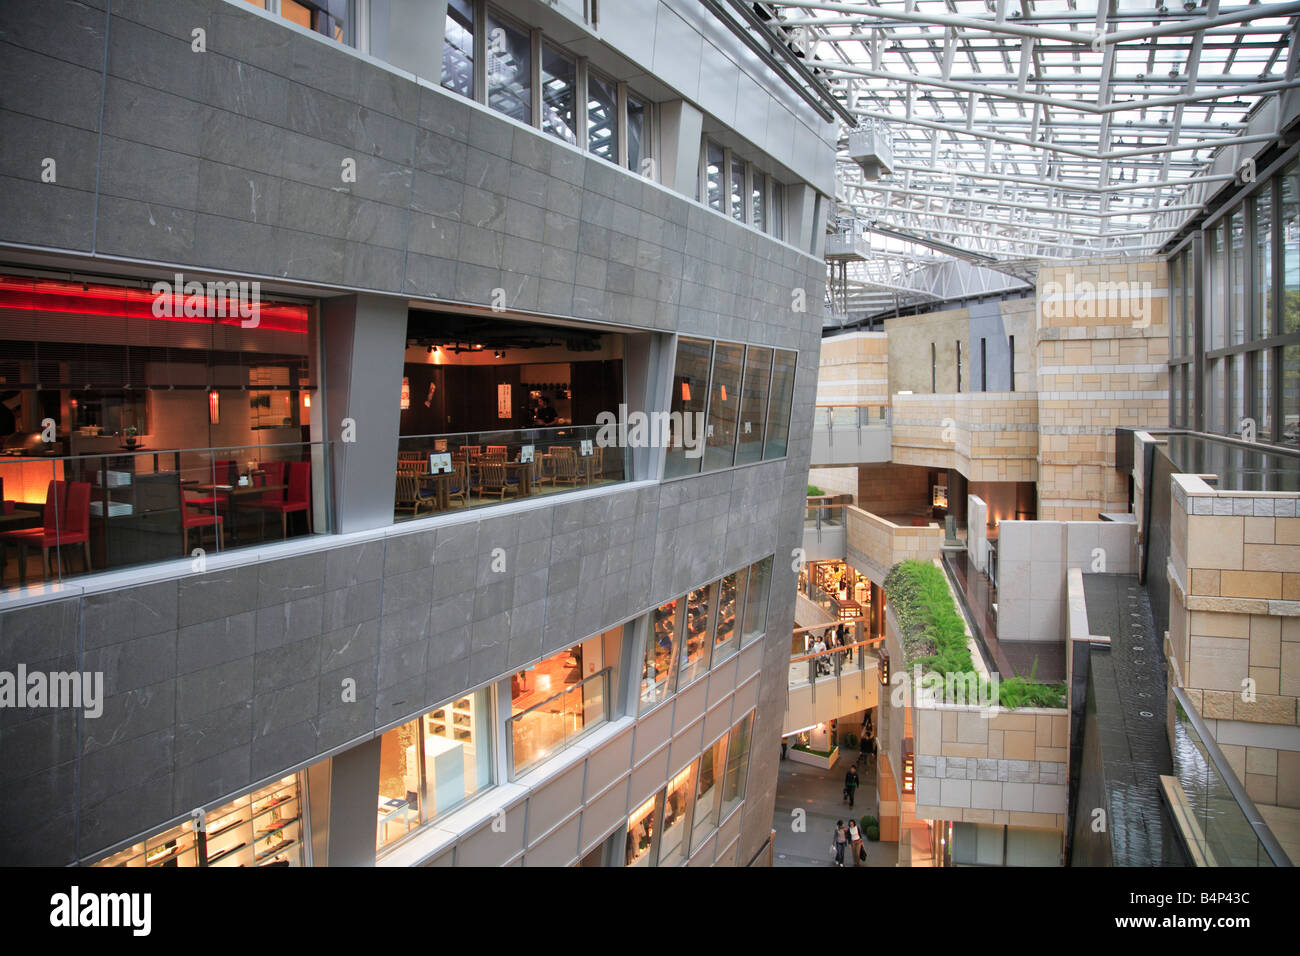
199	519
297	496
224	473
67	521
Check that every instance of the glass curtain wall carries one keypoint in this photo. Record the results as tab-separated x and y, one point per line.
1248	318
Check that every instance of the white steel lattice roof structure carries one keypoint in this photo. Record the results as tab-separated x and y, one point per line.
1025	130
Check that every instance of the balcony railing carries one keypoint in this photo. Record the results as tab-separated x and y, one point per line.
1220	823
73	515
835	662
488	468
845	417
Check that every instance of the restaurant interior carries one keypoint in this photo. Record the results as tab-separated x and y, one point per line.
128	437
495	409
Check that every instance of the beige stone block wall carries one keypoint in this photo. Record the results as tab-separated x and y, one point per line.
987	436
1102	349
854	369
883	544
1234	622
910	337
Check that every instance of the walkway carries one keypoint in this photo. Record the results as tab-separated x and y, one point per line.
820	794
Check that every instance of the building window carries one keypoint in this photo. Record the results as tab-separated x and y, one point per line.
556	701
678	802
690	393
638	135
753	404
758	201
934	369
712	195
458	48
959	367
778	210
756	594
640	835
509	70
733	784
712	764
559	95
724	406
1011	350
433	764
698	626
329	18
602	117
984	365
660	658
778	415
737	194
726	634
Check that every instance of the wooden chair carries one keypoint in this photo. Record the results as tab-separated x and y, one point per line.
409	495
567	469
495	478
458	483
495	451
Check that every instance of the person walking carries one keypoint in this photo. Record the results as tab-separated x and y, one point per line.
841	841
850	784
855	842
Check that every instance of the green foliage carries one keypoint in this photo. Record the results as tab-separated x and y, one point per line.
867	822
810	750
813	490
934	636
873	834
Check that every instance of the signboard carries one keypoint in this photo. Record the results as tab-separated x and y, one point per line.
440	464
504	407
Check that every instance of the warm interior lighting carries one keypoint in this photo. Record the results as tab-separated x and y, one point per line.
686	391
724	393
306	400
406	394
214	407
83	298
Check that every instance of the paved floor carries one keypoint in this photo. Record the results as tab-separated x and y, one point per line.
820	794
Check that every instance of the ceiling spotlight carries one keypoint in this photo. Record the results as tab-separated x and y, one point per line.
1190	5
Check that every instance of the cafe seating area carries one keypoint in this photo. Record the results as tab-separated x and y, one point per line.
101	513
450	472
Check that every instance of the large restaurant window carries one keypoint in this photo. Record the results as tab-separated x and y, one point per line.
140	421
678	801
494	410
733	784
689	398
724	407
697	636
721	418
557	700
756	594
433	764
713	764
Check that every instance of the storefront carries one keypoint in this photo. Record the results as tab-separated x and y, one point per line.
140	420
846	594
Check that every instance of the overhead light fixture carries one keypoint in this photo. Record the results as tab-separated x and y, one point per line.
406	394
686	391
214	407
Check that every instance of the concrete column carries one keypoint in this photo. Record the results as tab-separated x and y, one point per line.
354	795
681	128
363	338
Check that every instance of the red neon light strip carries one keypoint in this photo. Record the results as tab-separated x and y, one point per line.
35	295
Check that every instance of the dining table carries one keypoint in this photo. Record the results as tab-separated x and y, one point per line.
233	494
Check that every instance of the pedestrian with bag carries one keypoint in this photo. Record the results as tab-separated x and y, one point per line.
850	784
841	841
855	841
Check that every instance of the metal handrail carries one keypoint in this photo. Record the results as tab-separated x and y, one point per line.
1247	806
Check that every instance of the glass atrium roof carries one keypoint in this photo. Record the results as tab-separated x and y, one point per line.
1025	130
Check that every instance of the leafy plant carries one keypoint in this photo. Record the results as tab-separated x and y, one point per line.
867	822
873	834
814	491
809	750
933	634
